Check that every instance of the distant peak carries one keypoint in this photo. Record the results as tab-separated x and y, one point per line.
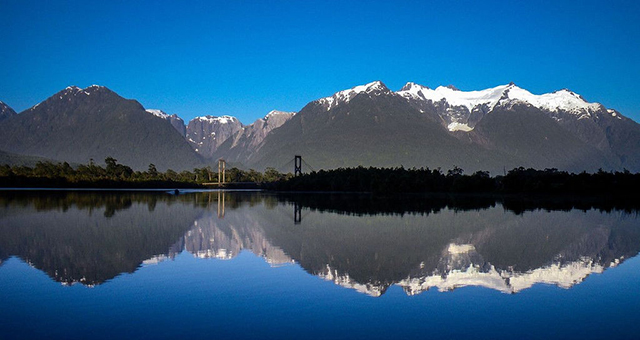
564	99
451	87
409	86
94	88
75	90
158	113
366	88
220	120
278	113
5	110
375	87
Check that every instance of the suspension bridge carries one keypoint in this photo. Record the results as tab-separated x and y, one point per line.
297	161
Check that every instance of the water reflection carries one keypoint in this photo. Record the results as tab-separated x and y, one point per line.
361	242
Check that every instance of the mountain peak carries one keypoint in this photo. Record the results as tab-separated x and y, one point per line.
413	87
375	87
565	99
158	113
455	97
175	121
366	88
6	111
220	120
75	90
274	113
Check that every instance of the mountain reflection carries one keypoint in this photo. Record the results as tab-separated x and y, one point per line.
357	241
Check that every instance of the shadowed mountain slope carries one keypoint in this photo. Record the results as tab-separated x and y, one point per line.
77	125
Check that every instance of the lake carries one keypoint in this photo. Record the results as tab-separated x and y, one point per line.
251	265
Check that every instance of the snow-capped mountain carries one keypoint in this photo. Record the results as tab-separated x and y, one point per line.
493	129
374	88
207	133
175	121
460	110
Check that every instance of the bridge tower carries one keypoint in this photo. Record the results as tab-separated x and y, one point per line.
222	165
297	170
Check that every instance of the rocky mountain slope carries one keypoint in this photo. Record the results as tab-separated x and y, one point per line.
175	121
242	146
6	111
207	133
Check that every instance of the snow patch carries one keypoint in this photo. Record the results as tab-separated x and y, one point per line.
456	126
273	113
344	280
468	99
613	113
560	100
158	113
460	248
219	120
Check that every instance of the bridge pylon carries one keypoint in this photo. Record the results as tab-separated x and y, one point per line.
222	165
297	169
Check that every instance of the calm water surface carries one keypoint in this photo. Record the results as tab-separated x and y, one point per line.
259	266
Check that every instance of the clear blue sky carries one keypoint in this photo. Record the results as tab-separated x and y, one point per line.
245	58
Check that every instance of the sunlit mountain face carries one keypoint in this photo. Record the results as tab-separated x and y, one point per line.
91	238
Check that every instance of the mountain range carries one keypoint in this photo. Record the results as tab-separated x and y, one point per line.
495	129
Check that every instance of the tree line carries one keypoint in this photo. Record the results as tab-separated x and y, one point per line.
425	180
359	179
115	175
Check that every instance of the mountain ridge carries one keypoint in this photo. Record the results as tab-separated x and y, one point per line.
77	125
491	129
6	111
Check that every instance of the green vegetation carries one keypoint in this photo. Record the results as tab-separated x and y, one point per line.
360	179
114	175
